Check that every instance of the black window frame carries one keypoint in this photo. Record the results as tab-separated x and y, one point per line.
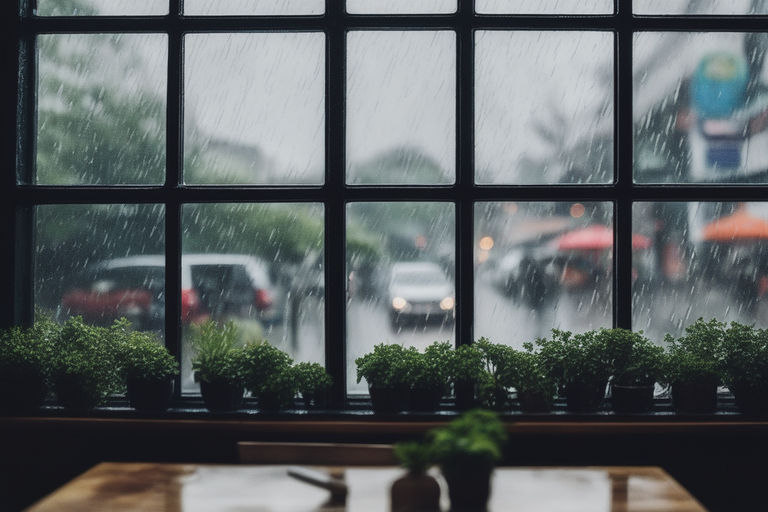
18	108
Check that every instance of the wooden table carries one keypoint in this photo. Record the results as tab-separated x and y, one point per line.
119	487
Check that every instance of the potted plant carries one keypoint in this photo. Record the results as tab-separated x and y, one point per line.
536	388
416	491
428	376
637	365
466	368
693	366
87	367
467	450
385	369
268	375
149	371
581	365
745	367
218	365
494	382
26	355
313	382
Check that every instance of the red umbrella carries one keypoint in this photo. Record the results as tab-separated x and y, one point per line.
739	226
596	237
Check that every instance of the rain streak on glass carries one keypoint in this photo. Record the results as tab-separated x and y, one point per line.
101	262
540	266
101	7
260	266
401	107
700	107
544	107
400	277
708	260
401	6
544	6
700	7
254	108
253	7
101	109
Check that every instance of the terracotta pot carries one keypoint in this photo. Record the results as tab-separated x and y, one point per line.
694	397
415	493
221	396
584	396
150	395
632	399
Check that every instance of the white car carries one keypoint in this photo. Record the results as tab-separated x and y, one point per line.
420	291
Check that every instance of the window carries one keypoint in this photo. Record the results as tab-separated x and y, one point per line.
555	163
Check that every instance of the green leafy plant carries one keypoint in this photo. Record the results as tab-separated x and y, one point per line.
217	358
495	379
266	369
414	456
312	380
637	361
429	370
696	357
536	388
278	391
475	439
145	358
573	358
386	367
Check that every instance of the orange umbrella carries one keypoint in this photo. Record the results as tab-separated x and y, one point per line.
596	237
739	226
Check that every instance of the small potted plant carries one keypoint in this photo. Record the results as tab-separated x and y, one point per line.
25	363
218	365
149	371
87	367
745	367
269	376
416	491
693	366
637	365
428	376
536	389
386	370
494	381
313	382
580	363
467	371
467	450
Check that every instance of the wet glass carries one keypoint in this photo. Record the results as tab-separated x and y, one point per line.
101	7
700	108
254	108
401	6
540	266
101	109
254	7
401	107
544	6
707	260
700	7
101	262
400	277
259	266
543	107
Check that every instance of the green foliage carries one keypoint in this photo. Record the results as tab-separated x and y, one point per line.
637	361
386	367
311	378
145	358
528	375
266	369
28	352
466	364
278	391
217	358
570	358
416	457
474	439
696	357
428	370
745	356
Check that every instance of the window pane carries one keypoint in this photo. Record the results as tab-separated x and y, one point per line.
259	265
700	110
544	107
253	7
101	109
540	266
400	270
700	7
254	108
400	6
708	260
101	262
401	107
544	6
100	7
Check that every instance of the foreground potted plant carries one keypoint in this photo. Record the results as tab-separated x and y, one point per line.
638	364
269	376
386	370
536	389
218	365
149	371
313	382
745	367
416	491
26	355
693	366
467	450
428	376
